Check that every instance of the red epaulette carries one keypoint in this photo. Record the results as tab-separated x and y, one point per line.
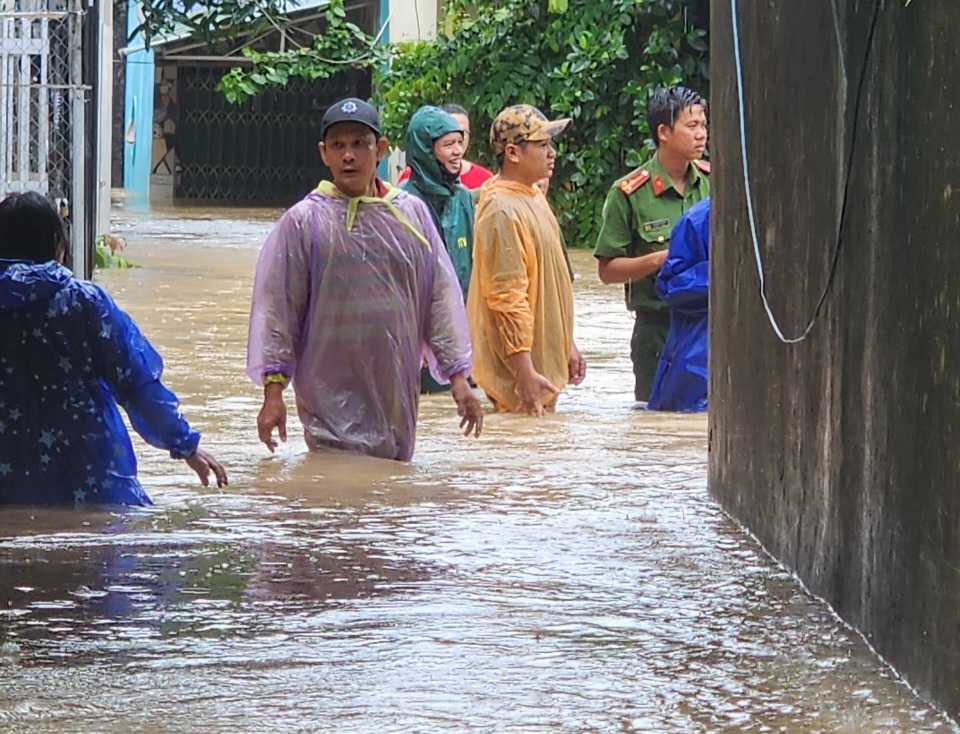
634	182
704	166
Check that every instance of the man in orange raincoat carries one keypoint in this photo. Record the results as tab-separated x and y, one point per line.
520	300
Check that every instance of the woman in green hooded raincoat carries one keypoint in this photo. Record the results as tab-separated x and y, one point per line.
434	135
434	154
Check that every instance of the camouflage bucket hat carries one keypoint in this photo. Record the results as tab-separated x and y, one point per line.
523	122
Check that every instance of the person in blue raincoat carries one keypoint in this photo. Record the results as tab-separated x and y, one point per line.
68	356
681	381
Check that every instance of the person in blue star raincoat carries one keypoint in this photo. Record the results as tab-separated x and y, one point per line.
68	356
680	383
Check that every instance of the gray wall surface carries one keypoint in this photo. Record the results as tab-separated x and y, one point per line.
842	452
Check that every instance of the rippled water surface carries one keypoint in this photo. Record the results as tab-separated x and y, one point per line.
566	575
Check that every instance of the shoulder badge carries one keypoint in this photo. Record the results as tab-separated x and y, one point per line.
703	166
634	182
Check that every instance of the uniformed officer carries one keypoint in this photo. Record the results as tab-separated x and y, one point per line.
639	213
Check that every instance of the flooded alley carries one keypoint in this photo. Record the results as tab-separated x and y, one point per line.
563	575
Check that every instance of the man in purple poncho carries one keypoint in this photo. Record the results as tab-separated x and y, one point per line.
352	288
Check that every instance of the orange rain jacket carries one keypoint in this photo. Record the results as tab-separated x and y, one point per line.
521	294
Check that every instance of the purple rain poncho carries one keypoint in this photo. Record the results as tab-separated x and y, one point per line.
349	297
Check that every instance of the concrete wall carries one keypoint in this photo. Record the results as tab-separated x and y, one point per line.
842	453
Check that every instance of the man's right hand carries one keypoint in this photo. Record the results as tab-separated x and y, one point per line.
273	414
531	386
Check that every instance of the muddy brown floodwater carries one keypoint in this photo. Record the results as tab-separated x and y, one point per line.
567	575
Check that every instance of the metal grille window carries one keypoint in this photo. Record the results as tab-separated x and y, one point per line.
42	101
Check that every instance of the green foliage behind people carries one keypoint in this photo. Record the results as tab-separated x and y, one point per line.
595	61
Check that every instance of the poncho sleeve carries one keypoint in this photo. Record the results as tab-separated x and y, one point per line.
132	369
448	336
683	280
281	292
502	262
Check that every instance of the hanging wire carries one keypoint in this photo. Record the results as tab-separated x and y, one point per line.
734	12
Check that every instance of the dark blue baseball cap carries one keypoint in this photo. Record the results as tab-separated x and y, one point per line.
350	109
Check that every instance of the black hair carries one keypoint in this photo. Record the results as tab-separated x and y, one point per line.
455	109
665	106
31	228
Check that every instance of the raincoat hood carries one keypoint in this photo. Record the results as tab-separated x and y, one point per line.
328	188
426	125
23	283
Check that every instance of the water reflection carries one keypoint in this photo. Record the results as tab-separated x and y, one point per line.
569	575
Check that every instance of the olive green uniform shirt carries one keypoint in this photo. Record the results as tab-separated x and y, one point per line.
639	222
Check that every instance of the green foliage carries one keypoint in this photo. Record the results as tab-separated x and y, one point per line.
210	21
106	248
593	61
341	45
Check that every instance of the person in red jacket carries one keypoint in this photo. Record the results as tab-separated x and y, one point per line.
472	175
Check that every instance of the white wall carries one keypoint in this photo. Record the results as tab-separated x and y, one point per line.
411	20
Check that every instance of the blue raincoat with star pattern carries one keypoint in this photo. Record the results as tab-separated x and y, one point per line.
68	357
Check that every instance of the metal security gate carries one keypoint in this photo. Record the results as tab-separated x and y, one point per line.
42	99
262	151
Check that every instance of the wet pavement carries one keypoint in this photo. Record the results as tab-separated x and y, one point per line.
564	575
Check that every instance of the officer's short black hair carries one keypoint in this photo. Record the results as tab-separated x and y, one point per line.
31	228
455	109
665	106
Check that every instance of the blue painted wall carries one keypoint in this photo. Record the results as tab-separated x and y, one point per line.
137	119
383	169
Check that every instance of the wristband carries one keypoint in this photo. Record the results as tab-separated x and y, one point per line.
275	378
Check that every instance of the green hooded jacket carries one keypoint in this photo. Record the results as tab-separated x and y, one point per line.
449	202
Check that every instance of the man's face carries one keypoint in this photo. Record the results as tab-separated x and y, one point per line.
464	122
688	137
448	150
351	151
532	160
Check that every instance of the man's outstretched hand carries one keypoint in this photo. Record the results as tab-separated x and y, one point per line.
468	406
